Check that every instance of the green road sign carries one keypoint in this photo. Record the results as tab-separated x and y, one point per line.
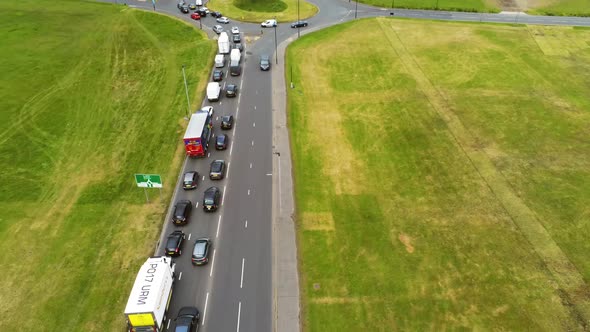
148	180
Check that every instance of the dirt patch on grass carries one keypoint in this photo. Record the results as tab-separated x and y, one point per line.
407	241
345	300
317	221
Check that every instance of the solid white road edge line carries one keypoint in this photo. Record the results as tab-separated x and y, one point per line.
205	310
231	148
242	277
212	263
239	312
228	164
218	223
223	197
168	325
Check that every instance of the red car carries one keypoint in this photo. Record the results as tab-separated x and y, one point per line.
195	16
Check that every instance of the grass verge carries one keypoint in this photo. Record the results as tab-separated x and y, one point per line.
561	8
482	6
258	11
442	176
91	94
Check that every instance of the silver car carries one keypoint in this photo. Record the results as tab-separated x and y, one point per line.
217	29
223	20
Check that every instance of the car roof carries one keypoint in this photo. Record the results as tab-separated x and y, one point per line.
211	190
183	202
188	311
226	117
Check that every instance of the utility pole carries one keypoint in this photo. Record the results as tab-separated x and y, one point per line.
188	103
276	53
298	27
356	6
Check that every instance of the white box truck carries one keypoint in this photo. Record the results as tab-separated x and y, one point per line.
150	297
235	55
219	61
213	91
223	43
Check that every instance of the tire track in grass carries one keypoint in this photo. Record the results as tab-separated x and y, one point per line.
572	288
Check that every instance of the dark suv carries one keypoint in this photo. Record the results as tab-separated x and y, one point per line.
182	211
211	199
217	170
187	319
227	121
201	251
190	180
174	243
221	142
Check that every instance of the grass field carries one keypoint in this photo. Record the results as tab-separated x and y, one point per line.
454	5
560	7
90	94
442	175
260	10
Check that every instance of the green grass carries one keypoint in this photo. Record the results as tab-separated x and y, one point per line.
442	175
260	10
452	5
562	8
90	94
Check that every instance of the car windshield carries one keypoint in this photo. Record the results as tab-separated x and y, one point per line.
199	249
171	242
179	210
183	328
188	177
220	139
216	167
225	117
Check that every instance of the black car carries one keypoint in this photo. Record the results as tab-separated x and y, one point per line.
182	211
221	142
217	170
216	14
236	38
211	199
231	90
174	243
227	121
239	46
190	180
299	24
264	62
184	9
187	319
217	75
201	251
201	12
180	4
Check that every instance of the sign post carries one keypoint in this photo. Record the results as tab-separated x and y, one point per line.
148	181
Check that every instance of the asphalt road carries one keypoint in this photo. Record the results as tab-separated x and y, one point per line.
234	292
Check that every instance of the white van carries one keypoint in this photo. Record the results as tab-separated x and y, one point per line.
213	91
235	55
199	2
219	61
269	24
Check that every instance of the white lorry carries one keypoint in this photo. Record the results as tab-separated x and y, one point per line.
150	297
219	61
213	91
223	43
235	55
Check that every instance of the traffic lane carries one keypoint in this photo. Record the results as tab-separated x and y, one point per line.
193	290
249	254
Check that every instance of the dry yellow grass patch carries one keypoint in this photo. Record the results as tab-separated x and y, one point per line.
317	221
407	241
556	41
346	300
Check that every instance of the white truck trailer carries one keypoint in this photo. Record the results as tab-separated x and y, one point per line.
223	43
150	297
